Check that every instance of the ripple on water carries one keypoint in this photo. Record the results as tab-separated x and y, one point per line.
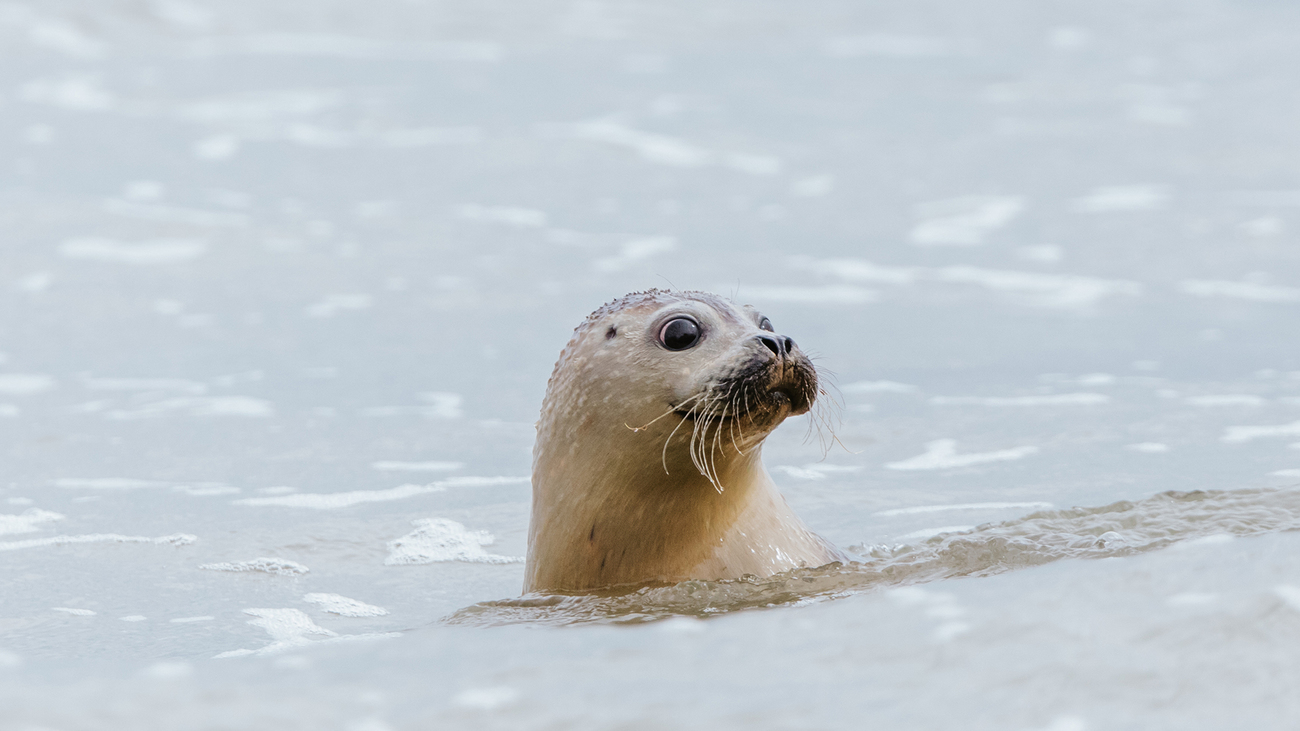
1120	529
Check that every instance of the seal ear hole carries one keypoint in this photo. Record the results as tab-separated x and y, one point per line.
765	324
679	334
610	333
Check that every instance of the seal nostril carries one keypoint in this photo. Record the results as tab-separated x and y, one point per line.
772	344
789	344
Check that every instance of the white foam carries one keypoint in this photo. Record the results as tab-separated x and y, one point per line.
275	566
877	387
206	489
961	506
163	251
343	606
26	521
439	539
515	216
172	214
25	384
826	294
858	270
666	150
336	303
176	539
287	625
1056	399
887	46
292	628
1240	290
635	251
108	483
1248	433
942	454
391	466
655	148
145	384
191	620
964	221
1286	473
333	501
1052	290
75	93
245	406
1112	198
133	618
439	405
1049	290
1234	399
815	471
74	612
1149	447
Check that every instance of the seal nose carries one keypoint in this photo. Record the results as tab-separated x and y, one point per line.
779	345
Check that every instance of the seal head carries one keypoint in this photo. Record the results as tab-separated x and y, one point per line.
647	463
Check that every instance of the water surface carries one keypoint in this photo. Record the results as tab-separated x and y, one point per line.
281	285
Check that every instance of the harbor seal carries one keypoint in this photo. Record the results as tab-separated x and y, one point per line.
647	468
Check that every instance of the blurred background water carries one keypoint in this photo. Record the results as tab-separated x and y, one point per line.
281	284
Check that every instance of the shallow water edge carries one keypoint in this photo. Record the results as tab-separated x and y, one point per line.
1123	528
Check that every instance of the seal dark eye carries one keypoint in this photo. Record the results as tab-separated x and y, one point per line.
679	334
765	324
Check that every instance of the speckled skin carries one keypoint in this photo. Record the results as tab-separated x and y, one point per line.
617	501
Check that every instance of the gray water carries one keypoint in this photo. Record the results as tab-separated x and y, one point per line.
281	284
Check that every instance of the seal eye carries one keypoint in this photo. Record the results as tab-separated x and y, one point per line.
679	334
765	324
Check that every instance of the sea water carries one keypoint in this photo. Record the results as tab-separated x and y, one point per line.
281	285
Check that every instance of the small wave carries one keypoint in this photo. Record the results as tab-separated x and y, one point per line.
276	566
176	539
1120	529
